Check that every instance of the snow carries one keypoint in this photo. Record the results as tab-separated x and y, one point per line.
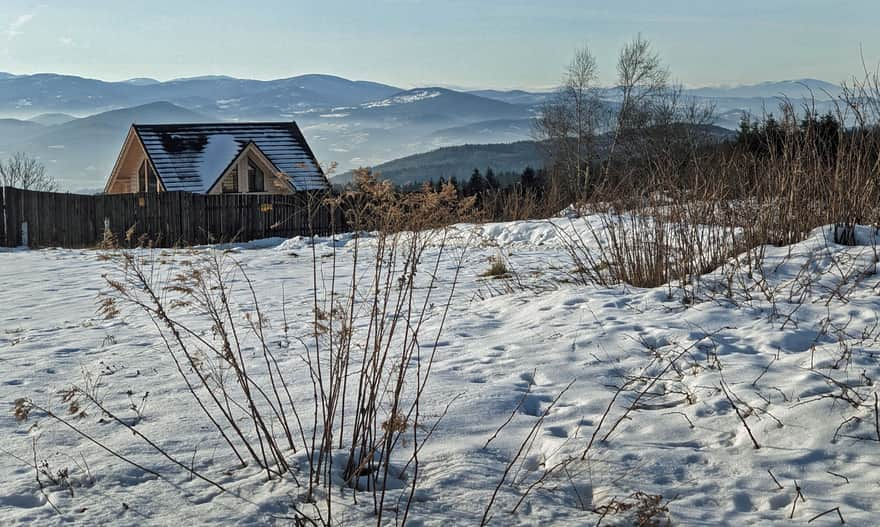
509	340
225	104
407	98
218	153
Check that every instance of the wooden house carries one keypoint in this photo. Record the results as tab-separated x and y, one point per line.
218	158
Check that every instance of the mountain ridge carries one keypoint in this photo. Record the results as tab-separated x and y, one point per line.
350	122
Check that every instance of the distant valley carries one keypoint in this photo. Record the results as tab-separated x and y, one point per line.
76	126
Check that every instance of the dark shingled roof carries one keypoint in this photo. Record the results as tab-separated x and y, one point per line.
192	157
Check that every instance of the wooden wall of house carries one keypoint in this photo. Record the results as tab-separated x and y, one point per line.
165	219
124	178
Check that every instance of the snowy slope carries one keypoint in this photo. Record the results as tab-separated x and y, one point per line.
510	348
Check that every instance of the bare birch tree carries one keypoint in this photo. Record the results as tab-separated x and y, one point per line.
644	118
642	81
570	119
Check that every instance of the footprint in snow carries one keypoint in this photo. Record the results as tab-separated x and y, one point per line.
21	501
561	432
742	502
528	377
534	405
779	501
726	439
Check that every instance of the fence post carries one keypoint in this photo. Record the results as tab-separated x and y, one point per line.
24	234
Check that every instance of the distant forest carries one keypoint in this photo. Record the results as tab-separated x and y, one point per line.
459	163
480	182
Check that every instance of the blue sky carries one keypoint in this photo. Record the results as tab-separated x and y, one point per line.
479	43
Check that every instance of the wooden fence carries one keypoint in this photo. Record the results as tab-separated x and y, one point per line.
166	219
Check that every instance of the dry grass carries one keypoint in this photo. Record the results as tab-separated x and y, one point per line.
497	268
669	220
364	368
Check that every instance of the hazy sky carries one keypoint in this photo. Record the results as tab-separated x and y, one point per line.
473	43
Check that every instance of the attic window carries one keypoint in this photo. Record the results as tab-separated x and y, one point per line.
256	181
147	179
230	182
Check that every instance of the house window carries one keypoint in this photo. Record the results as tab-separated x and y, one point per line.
256	182
230	182
148	181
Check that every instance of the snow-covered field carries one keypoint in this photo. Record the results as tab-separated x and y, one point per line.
797	355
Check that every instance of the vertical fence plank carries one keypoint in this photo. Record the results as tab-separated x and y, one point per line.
3	240
12	217
199	218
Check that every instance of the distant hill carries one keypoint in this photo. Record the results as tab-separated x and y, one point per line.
513	96
406	123
343	91
796	89
22	95
496	130
142	81
80	153
15	130
460	161
438	105
153	113
457	161
52	119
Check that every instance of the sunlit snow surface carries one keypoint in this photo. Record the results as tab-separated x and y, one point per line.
498	341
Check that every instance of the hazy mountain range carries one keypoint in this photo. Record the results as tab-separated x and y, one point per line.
76	125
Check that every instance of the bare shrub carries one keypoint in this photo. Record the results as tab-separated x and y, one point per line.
497	268
519	203
570	122
366	356
640	509
25	172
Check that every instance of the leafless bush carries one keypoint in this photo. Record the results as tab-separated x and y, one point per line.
375	205
640	509
518	203
497	268
27	173
366	355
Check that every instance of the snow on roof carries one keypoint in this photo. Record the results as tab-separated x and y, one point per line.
192	157
218	153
